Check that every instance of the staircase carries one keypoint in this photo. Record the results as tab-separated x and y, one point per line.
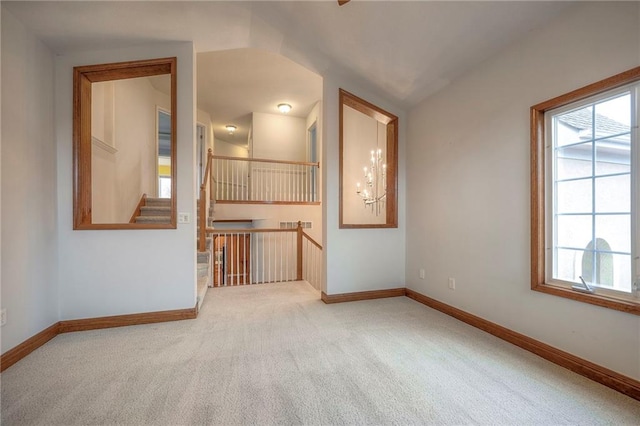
205	262
155	210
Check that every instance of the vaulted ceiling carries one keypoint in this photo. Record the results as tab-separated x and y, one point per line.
402	51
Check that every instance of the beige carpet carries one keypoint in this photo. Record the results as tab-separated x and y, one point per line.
275	354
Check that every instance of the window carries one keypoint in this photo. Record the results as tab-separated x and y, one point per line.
585	194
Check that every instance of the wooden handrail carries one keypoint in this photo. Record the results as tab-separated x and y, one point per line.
207	169
138	210
264	160
311	240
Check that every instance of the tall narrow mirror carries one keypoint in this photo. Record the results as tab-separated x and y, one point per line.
125	145
368	164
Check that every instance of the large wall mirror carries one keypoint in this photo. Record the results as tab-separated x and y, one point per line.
368	165
124	145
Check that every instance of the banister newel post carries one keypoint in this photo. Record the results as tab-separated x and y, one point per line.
299	252
202	245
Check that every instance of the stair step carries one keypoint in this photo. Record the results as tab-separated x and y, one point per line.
208	243
202	284
203	270
203	257
210	221
153	219
210	211
209	225
155	210
152	201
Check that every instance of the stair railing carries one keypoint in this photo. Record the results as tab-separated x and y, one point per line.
204	211
311	253
138	211
258	180
263	255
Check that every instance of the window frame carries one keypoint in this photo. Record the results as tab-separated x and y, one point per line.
540	191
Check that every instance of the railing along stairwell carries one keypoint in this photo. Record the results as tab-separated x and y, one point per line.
204	211
252	256
256	256
258	180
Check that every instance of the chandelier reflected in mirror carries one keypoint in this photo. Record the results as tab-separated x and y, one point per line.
375	183
368	137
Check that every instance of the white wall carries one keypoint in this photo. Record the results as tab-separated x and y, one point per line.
278	137
315	117
228	149
29	238
120	178
135	133
468	207
362	134
122	272
358	259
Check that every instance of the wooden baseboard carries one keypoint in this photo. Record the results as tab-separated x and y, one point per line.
595	372
362	295
125	320
25	348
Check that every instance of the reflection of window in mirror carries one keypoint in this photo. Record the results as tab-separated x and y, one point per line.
124	145
368	147
164	154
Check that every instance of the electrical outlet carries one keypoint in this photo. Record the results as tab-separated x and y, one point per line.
422	274
184	218
3	316
452	283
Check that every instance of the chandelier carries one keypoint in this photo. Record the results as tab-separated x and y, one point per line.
375	183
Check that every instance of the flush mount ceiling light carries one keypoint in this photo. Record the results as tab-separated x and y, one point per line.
284	108
230	128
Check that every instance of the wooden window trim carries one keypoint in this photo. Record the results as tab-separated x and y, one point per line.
83	77
538	207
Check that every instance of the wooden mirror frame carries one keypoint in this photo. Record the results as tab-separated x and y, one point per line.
83	77
391	123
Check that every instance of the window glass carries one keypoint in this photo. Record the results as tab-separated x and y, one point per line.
591	203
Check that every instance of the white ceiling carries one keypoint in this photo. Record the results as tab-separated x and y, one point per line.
402	51
234	83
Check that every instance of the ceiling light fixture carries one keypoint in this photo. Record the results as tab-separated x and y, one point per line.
284	108
230	128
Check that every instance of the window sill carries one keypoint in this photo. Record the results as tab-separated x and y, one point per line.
624	305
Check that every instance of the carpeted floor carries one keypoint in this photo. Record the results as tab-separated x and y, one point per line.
275	354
